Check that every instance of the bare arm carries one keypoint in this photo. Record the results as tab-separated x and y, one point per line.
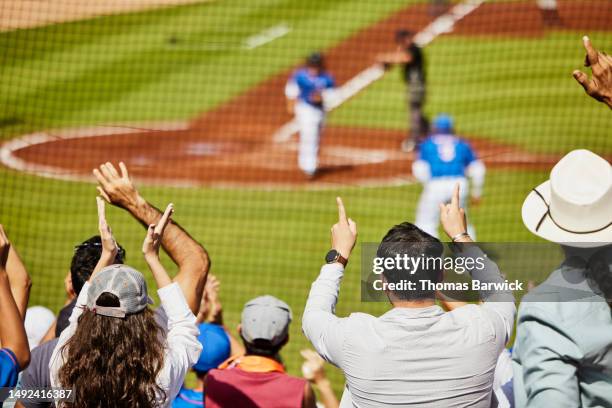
310	400
190	257
20	281
12	332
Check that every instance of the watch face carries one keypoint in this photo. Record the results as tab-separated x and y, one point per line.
331	256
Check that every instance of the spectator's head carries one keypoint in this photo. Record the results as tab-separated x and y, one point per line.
216	348
404	37
573	207
116	349
443	123
38	321
316	61
265	325
86	256
408	240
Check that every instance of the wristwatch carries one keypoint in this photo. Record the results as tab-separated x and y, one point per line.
334	256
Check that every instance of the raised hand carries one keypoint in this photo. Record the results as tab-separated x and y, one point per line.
150	248
344	232
109	245
313	368
452	216
116	188
152	242
599	86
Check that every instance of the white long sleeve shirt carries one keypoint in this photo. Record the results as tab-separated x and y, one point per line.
421	357
182	350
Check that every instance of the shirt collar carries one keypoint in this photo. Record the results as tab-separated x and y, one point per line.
413	313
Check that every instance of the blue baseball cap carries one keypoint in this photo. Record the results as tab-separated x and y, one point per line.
215	347
443	123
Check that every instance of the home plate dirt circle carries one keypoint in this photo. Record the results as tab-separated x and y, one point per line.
179	155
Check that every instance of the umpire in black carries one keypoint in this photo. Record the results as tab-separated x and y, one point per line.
410	56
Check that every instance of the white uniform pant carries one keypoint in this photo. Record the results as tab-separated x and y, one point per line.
436	191
310	121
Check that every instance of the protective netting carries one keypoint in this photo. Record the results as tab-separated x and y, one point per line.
191	96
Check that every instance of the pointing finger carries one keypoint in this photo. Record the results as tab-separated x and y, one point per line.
592	55
455	199
341	211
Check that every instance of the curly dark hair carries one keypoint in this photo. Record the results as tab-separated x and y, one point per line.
112	362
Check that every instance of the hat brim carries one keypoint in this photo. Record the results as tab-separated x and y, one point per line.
533	210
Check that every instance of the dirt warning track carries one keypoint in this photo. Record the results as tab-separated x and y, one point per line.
233	144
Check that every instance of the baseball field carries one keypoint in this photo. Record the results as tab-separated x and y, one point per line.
190	96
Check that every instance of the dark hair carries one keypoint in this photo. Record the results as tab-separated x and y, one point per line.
407	239
315	60
262	347
402	35
113	362
86	256
597	265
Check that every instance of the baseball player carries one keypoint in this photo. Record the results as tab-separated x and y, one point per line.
410	56
550	12
443	160
306	92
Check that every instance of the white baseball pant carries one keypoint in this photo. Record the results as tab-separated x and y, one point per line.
436	191
310	121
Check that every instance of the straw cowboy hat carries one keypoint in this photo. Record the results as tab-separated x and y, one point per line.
574	207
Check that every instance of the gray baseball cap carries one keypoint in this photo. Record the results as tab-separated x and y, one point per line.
124	282
266	318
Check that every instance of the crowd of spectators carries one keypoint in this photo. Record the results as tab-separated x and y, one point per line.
113	348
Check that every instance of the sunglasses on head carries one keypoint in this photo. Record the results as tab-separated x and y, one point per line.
84	245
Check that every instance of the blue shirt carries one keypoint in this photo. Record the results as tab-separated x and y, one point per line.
187	398
310	84
447	155
9	368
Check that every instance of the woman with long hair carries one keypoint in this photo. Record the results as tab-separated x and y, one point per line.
114	353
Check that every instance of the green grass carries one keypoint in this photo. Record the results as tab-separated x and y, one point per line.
122	68
518	91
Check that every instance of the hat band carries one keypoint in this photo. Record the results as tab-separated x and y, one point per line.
547	213
117	312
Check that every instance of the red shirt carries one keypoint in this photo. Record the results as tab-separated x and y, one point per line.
243	386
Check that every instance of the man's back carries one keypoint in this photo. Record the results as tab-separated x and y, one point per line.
422	356
563	348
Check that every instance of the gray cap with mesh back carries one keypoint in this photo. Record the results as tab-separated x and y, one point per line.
266	318
124	282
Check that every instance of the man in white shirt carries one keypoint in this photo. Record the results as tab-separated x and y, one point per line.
415	354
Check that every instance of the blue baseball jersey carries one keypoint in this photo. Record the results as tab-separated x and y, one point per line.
188	399
309	84
447	155
9	368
